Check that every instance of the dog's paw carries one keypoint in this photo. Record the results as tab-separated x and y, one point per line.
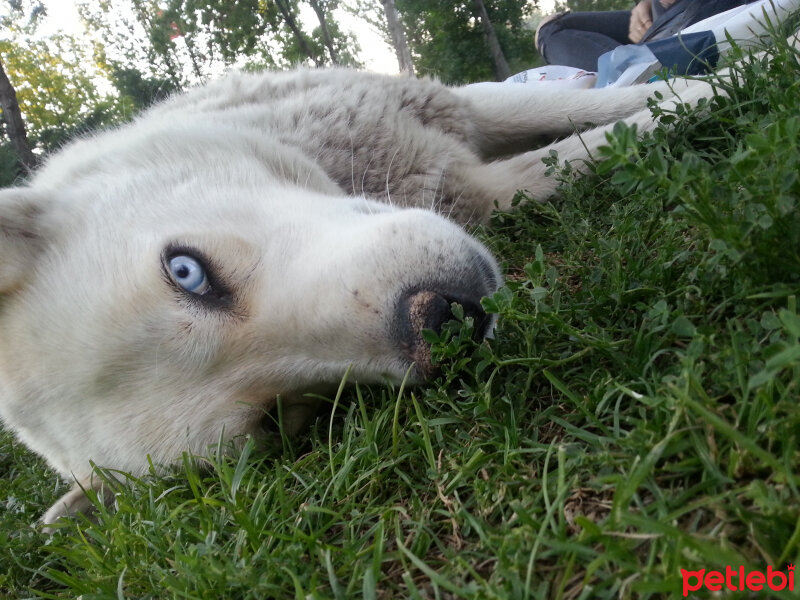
74	502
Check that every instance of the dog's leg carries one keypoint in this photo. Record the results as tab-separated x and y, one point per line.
499	181
508	118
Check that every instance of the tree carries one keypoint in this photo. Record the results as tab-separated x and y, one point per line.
499	62
56	86
159	28
187	41
383	16
322	9
138	91
54	93
449	40
14	125
19	157
134	33
397	36
288	12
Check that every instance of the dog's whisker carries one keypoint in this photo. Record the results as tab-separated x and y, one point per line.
389	171
353	166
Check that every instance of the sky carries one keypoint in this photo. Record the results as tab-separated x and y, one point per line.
375	53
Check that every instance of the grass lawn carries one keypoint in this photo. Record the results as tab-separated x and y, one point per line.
637	413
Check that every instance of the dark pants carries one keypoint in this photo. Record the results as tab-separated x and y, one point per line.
578	39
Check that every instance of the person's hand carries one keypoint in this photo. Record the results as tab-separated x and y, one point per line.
641	20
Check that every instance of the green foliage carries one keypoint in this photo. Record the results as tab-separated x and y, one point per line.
137	91
49	77
736	180
187	41
9	170
446	39
55	106
143	52
22	15
56	82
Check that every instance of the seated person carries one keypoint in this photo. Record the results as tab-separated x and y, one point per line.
579	39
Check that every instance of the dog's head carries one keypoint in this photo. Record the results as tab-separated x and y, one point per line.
147	310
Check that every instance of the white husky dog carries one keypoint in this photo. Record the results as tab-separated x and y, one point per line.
163	284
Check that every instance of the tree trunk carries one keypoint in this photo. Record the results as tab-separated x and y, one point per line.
501	69
14	123
326	34
399	40
288	17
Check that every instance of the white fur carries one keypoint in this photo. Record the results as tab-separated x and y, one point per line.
304	191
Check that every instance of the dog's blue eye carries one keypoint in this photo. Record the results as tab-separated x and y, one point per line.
189	274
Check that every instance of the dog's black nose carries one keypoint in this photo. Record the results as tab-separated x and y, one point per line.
429	309
422	309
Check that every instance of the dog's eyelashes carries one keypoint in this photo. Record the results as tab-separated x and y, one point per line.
189	274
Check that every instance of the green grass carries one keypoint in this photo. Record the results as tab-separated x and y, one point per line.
636	414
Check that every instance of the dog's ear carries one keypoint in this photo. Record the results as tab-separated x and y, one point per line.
22	236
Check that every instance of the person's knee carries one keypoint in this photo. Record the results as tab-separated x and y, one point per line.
547	26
